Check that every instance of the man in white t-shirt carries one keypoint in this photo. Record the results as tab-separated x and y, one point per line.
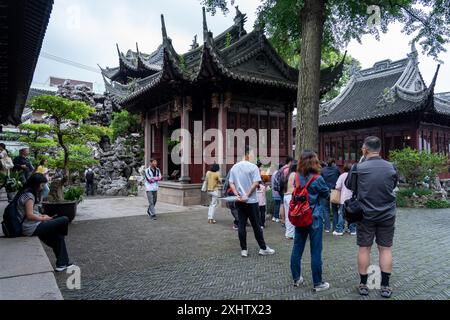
152	176
244	179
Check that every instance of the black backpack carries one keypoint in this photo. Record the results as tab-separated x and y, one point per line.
12	222
90	176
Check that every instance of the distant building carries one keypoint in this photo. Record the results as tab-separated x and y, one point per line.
56	82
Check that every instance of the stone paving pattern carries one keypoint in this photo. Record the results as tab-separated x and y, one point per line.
180	256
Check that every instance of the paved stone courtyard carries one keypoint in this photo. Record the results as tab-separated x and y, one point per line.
180	256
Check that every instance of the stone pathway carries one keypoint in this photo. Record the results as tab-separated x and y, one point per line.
180	256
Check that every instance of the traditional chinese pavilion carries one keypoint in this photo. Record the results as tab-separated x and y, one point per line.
391	101
235	80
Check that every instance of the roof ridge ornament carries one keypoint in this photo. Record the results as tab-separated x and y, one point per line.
413	54
207	35
194	44
239	20
163	29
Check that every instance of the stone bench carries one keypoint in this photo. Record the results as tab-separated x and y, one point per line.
25	271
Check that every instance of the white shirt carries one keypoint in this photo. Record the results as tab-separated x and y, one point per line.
243	175
151	181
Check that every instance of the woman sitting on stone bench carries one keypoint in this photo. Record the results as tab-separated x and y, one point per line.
49	230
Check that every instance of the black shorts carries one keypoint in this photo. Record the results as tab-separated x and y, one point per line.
382	231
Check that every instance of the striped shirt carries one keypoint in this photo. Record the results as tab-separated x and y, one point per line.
28	226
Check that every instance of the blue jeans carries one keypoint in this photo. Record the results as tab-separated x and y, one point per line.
45	192
276	208
327	208
315	238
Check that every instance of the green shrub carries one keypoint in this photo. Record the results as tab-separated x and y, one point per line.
402	202
415	165
438	204
74	194
410	191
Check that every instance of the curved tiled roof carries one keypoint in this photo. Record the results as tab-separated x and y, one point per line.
387	89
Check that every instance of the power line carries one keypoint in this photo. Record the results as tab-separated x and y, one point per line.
68	62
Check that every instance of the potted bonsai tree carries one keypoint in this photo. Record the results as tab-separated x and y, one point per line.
71	135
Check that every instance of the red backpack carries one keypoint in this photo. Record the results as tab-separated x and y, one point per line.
300	213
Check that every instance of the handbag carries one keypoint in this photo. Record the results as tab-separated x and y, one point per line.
352	207
205	184
335	196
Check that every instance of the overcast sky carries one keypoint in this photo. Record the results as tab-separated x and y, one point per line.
86	32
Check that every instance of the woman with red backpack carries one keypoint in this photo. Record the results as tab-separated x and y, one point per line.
306	213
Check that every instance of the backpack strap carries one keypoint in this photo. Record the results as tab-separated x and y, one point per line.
311	180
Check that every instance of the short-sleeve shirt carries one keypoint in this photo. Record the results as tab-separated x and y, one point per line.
243	175
28	226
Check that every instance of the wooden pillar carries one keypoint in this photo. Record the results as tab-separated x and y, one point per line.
186	141
147	141
222	125
165	152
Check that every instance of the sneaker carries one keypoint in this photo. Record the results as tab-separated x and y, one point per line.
299	282
64	268
386	292
273	219
335	233
235	227
321	287
353	233
327	231
153	217
244	253
266	252
363	289
277	220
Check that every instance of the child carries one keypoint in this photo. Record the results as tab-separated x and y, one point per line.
261	194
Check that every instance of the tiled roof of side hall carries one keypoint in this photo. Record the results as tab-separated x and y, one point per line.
387	89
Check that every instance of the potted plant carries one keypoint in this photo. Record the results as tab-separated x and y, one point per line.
12	183
72	135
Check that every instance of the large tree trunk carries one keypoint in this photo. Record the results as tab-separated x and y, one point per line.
312	18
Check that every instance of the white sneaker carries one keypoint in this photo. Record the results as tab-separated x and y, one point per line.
299	282
274	219
322	287
266	252
244	253
353	233
277	220
335	233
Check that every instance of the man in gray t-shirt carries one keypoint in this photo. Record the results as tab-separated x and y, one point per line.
244	179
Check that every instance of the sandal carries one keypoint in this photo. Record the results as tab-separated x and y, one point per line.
363	289
386	292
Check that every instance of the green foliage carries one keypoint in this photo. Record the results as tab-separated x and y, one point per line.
38	137
80	157
228	40
124	123
415	165
10	136
11	181
74	194
438	204
409	192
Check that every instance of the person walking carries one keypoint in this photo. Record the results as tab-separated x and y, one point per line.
330	174
152	178
374	181
261	194
290	229
42	169
90	178
282	181
346	194
309	172
275	196
23	164
244	179
51	231
212	187
5	160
